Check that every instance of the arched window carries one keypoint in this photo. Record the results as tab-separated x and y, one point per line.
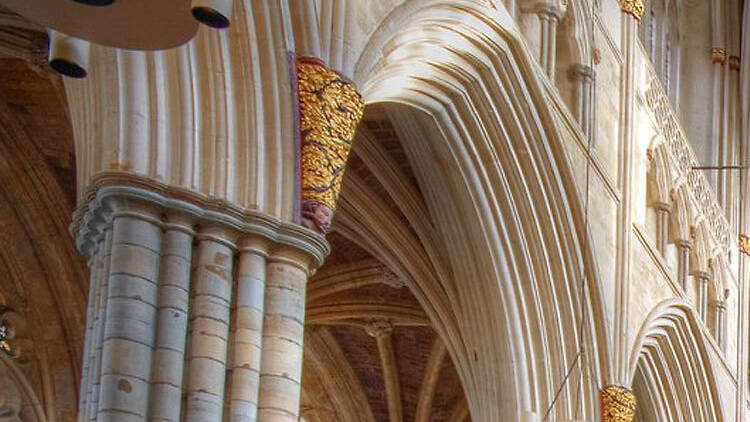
659	35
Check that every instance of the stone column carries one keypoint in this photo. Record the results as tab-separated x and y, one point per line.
662	227
95	280
172	320
209	325
683	263
283	329
381	331
164	344
618	404
549	16
720	322
583	77
100	312
248	329
130	320
702	279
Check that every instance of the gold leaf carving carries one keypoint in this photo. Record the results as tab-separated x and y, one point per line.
618	404
330	109
633	7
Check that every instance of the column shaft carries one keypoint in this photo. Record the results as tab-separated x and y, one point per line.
209	329
582	77
130	321
283	330
390	376
662	229
720	307
172	322
248	329
683	264
702	296
88	347
100	310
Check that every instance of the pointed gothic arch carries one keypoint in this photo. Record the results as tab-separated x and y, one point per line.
670	370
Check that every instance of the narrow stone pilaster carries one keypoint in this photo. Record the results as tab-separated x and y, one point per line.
130	321
662	227
683	263
720	323
209	326
583	78
549	16
283	332
172	321
702	300
248	330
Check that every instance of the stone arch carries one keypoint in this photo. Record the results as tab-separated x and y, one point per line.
661	175
18	401
431	77
669	367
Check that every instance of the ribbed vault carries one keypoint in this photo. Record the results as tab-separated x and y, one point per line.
42	278
670	374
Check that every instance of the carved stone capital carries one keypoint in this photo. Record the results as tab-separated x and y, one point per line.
634	8
618	404
379	328
582	73
718	55
744	244
220	219
547	11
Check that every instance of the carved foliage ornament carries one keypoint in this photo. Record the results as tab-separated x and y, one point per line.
329	110
718	55
633	7
618	404
745	244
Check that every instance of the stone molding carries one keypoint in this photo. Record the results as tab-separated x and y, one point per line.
114	193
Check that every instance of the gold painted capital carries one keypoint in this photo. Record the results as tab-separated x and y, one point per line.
330	109
745	244
618	404
634	8
718	55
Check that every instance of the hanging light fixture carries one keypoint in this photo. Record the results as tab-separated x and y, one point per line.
213	13
69	56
